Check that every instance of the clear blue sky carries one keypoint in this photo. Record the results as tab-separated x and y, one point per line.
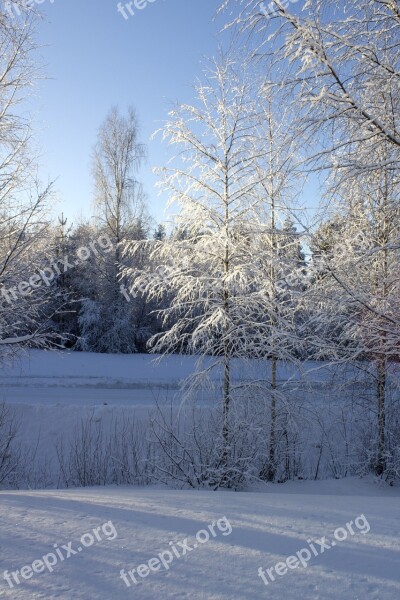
94	59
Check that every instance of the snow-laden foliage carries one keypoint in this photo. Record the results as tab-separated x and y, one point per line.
340	66
341	62
225	270
24	312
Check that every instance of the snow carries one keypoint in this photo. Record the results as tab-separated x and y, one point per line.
54	378
42	377
268	526
52	391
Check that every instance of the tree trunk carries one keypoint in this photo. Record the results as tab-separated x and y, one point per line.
271	472
225	427
227	349
380	465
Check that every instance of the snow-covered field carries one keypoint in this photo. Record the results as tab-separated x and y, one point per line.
48	378
52	395
267	527
50	391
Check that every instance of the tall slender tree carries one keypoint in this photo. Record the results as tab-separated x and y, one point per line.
222	186
24	315
121	215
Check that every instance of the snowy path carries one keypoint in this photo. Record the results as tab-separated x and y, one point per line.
267	527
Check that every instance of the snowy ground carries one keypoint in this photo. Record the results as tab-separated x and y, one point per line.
267	527
51	393
48	378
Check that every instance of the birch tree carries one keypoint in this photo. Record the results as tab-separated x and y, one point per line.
279	258
24	316
359	288
342	73
219	272
338	57
120	214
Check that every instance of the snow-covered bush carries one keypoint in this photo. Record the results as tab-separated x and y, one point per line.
104	453
190	448
11	456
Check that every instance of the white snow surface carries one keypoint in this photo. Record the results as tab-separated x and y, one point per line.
268	526
52	390
64	377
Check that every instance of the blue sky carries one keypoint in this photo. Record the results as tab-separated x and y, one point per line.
94	59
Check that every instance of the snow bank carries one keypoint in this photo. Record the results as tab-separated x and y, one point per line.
267	528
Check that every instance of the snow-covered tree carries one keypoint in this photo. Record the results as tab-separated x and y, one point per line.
24	301
339	58
229	190
356	291
109	320
341	65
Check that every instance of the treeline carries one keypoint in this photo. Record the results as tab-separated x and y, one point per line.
91	306
252	266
